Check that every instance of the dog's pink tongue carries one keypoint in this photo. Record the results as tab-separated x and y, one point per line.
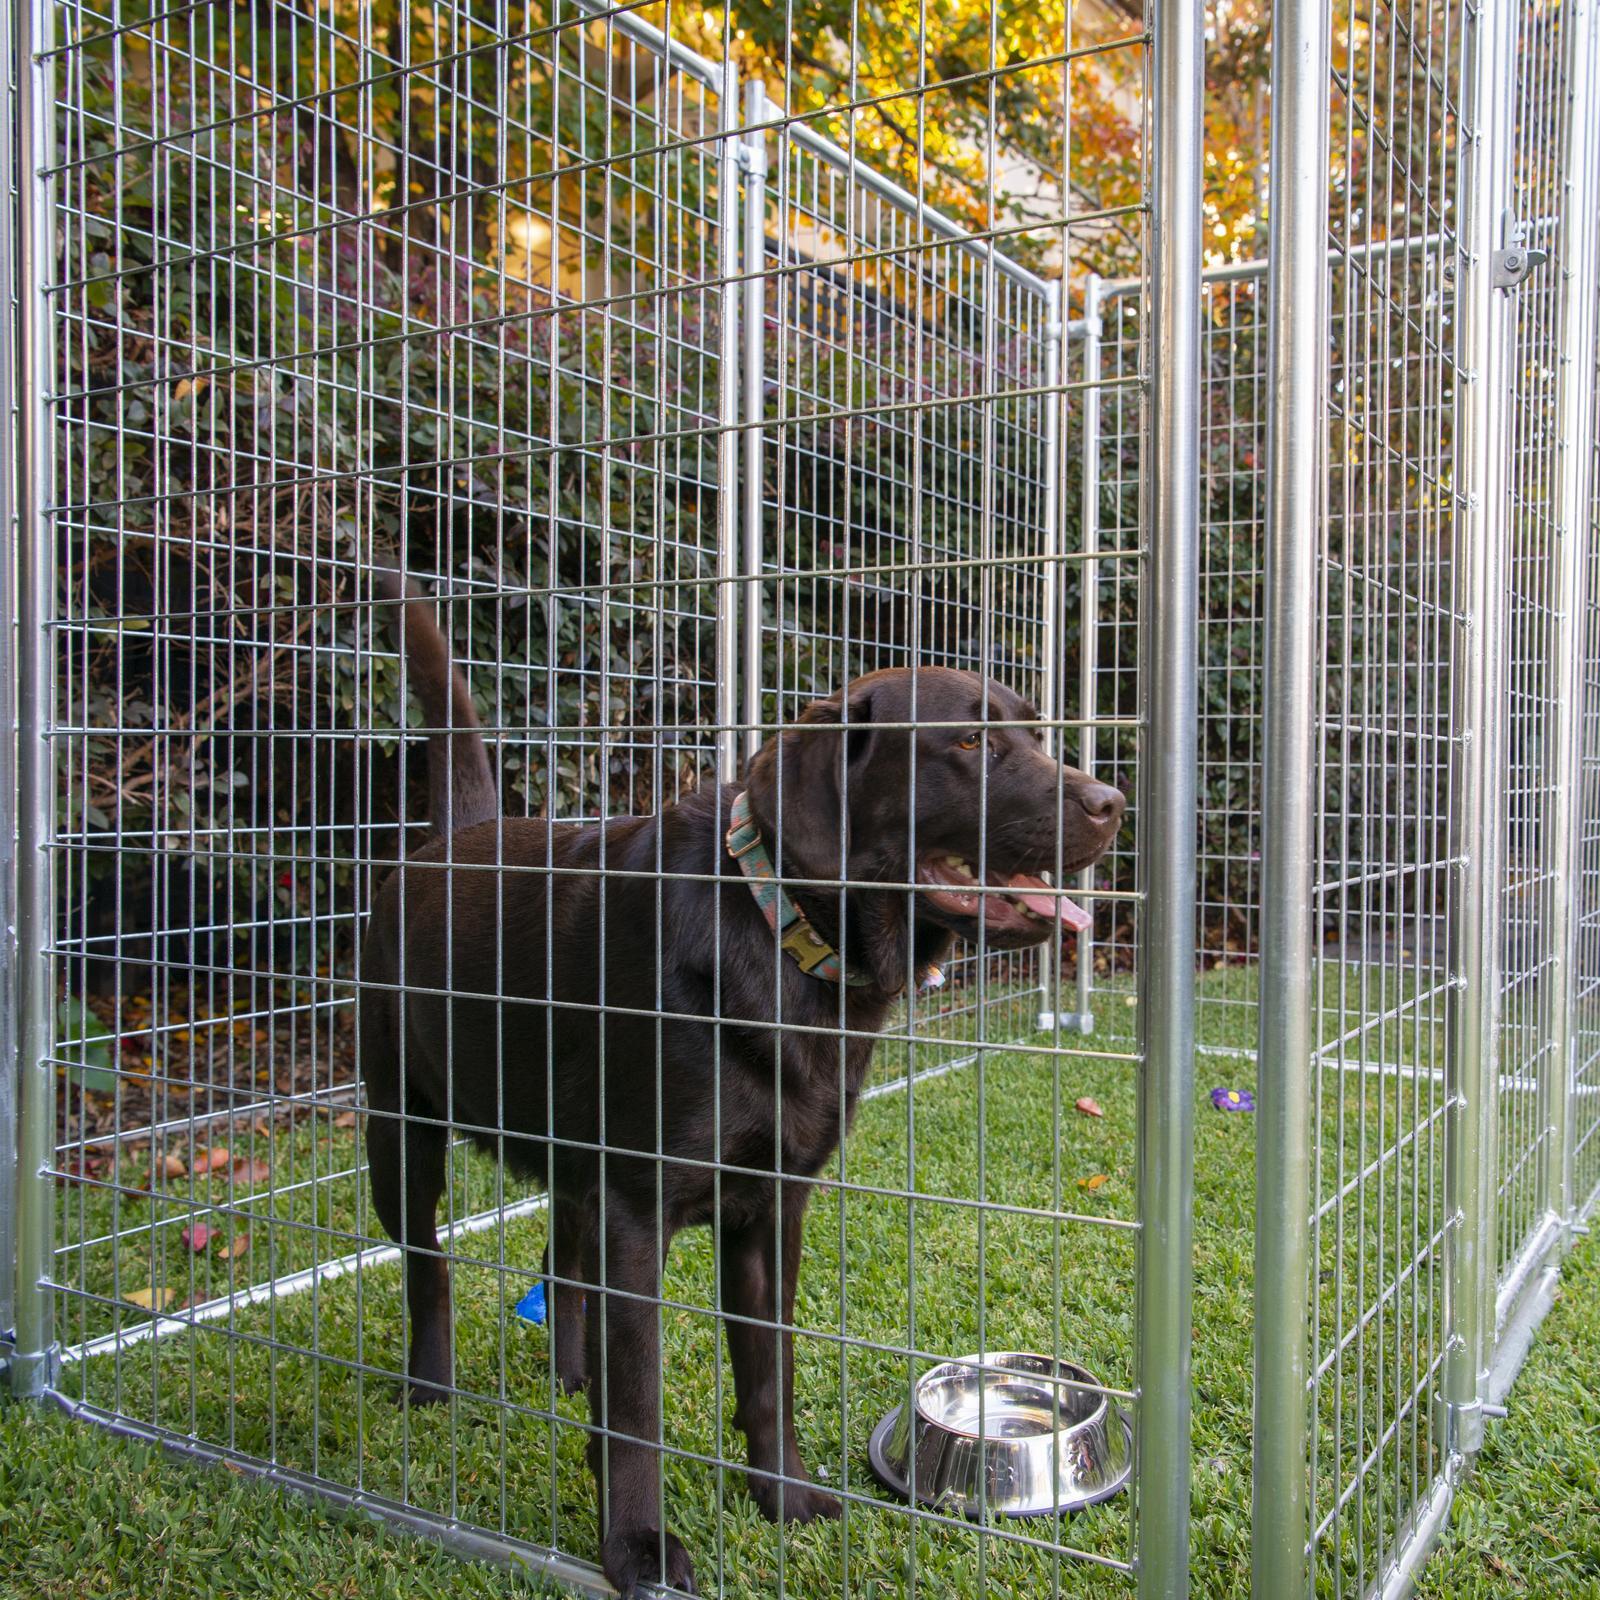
1049	905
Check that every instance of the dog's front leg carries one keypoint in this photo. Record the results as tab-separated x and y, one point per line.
760	1263
624	1335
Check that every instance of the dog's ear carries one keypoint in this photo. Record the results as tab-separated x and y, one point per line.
800	783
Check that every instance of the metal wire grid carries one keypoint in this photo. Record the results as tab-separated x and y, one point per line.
1577	245
10	1082
1107	609
1381	979
1433	555
890	533
1408	605
557	410
249	588
1586	1002
1232	427
1351	1206
202	159
1232	447
1529	1049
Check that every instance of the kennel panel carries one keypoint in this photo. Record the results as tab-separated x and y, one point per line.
1577	244
1586	999
1532	979
1359	744
905	457
365	286
319	289
1232	420
903	478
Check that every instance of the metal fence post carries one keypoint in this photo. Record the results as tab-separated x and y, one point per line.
8	715
754	160
1477	791
33	1357
1052	703
1088	649
729	431
1297	391
1575	261
1171	590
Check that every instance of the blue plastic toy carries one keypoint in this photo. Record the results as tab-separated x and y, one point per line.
531	1306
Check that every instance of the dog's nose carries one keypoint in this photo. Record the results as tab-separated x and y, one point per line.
1102	804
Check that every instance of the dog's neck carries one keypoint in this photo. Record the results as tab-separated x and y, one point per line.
871	928
875	920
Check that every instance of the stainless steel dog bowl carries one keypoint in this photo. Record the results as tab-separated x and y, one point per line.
1009	1434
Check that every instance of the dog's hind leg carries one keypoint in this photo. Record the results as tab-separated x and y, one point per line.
406	1158
568	1269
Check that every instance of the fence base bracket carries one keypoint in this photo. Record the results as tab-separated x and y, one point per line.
1463	1427
30	1376
1067	1021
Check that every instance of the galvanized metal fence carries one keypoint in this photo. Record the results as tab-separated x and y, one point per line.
688	414
1429	525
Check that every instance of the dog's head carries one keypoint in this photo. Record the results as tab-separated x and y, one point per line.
938	778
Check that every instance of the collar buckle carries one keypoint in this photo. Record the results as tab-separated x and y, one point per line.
801	942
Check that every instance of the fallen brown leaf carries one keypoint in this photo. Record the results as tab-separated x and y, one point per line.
257	1171
171	1166
1090	1108
152	1299
212	1160
235	1247
346	1120
1091	1184
198	1236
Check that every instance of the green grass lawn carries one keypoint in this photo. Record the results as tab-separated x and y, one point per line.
310	1380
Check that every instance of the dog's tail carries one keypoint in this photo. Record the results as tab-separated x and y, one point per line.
461	786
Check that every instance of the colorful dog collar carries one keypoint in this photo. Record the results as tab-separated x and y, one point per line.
799	940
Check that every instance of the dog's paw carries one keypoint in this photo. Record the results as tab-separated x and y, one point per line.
572	1371
800	1502
426	1394
631	1558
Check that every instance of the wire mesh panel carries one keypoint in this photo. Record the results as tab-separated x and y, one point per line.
905	514
1232	423
1233	451
390	390
1586	999
1529	1050
1107	596
345	292
1382	981
1361	651
906	492
1450	556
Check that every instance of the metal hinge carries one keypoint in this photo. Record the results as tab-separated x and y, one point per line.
1517	258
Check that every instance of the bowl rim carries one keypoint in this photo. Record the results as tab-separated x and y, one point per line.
987	1369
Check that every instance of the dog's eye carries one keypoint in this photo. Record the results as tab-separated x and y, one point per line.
970	742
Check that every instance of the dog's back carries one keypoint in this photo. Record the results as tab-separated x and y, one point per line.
480	926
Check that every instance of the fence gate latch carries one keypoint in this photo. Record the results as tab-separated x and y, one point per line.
1516	259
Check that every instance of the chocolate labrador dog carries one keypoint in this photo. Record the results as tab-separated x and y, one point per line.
621	1010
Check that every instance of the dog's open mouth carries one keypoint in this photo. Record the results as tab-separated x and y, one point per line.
1029	900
